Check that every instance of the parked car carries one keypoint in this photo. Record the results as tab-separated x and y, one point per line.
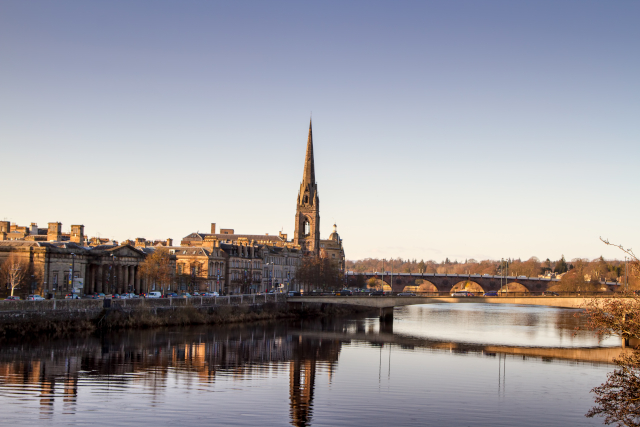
379	293
170	295
129	295
72	296
490	294
344	293
550	294
294	294
185	295
35	298
406	294
209	294
154	294
462	294
12	298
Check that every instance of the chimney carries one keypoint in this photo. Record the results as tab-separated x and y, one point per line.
213	228
77	233
169	242
54	231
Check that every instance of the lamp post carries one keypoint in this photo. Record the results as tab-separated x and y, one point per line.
272	276
501	271
506	279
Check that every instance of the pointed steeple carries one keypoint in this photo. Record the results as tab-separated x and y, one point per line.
309	175
307	229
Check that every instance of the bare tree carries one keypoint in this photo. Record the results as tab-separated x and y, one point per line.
13	271
618	399
157	268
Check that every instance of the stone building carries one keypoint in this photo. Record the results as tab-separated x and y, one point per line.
199	269
244	267
307	221
59	268
333	248
53	233
229	236
280	265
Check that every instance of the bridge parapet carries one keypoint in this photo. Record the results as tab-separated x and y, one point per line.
398	301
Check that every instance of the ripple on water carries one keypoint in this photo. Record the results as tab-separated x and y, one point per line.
324	373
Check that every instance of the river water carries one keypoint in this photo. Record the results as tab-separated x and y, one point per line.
436	365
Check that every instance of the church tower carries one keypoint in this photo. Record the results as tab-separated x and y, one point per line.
307	230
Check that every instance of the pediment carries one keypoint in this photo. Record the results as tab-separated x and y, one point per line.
127	251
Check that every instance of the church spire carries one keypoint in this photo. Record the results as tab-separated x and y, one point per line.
307	230
309	175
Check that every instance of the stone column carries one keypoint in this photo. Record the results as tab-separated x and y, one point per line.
131	287
88	284
99	281
120	281
125	279
93	273
137	280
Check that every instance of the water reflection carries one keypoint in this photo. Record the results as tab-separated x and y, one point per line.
143	368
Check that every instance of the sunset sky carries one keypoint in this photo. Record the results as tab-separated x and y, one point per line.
459	129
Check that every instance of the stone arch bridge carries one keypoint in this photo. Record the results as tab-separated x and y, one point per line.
446	282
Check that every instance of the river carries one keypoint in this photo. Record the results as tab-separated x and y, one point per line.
436	365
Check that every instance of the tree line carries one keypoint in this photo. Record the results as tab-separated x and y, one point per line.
587	270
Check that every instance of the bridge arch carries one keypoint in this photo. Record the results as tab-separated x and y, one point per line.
378	284
467	285
515	287
420	285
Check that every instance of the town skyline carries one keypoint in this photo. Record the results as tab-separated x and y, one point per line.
454	130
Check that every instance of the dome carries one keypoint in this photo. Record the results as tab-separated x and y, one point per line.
334	236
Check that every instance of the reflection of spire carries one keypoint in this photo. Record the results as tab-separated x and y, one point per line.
301	390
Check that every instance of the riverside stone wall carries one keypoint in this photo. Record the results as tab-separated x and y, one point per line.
93	305
16	313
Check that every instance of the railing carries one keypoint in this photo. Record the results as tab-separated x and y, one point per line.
93	304
480	294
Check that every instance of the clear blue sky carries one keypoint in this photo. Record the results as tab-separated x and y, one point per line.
460	129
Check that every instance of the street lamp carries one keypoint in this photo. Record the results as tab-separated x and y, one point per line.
273	274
